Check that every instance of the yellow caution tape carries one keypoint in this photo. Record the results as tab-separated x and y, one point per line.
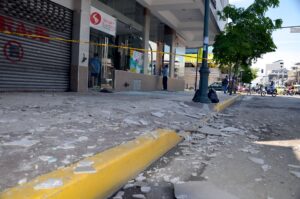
93	43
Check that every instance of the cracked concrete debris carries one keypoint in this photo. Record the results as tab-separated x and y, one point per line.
233	130
139	196
24	142
48	159
84	170
256	160
119	195
210	131
295	173
266	167
158	114
131	121
145	189
140	178
49	184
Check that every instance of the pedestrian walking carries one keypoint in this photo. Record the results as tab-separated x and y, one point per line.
225	84
95	65
165	73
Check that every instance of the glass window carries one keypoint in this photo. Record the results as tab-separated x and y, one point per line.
129	8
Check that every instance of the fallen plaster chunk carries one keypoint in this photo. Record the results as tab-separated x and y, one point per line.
84	170
258	179
233	130
210	131
225	115
83	138
131	121
249	149
140	178
192	116
175	180
85	163
24	142
140	196
294	166
66	146
256	160
266	167
49	184
22	181
92	147
129	185
158	114
254	137
295	173
48	159
144	122
145	189
119	195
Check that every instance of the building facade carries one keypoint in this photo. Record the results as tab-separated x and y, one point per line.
275	72
294	75
47	45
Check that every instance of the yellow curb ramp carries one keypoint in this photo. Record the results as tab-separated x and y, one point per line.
114	167
223	105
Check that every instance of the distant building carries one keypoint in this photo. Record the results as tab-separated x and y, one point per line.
294	74
275	72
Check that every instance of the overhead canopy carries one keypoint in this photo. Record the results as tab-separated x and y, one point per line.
186	17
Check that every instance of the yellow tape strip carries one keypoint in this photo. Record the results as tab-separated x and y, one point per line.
93	43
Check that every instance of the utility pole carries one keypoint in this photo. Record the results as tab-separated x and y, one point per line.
201	94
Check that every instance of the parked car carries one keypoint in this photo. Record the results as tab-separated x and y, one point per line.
216	86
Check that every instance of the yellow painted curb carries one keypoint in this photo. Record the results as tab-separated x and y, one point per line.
223	105
113	168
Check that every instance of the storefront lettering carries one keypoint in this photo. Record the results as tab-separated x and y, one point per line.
10	25
13	51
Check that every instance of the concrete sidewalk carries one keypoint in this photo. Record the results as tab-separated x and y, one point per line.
40	132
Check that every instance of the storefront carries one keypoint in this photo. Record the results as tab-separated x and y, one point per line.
34	63
110	39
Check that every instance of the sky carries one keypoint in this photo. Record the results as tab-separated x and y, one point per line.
288	44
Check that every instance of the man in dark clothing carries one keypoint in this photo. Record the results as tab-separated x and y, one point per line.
165	73
225	84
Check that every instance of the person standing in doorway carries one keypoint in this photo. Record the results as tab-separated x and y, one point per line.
95	64
225	84
165	73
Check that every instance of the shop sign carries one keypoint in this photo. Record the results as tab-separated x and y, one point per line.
19	27
103	22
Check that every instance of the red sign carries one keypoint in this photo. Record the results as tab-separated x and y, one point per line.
13	51
9	24
95	18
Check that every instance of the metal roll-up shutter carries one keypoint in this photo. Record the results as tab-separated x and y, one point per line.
30	63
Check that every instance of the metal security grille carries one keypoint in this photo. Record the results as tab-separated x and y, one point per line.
34	64
42	12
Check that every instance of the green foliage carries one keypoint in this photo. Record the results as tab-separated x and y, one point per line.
247	35
249	74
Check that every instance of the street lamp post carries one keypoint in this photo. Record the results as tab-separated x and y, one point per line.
201	94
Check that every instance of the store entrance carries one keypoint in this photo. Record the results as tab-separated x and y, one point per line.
102	53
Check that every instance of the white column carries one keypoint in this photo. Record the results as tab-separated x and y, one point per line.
146	39
80	51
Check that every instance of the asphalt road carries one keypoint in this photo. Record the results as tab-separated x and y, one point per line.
259	163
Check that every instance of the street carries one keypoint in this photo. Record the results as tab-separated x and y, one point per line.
258	158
